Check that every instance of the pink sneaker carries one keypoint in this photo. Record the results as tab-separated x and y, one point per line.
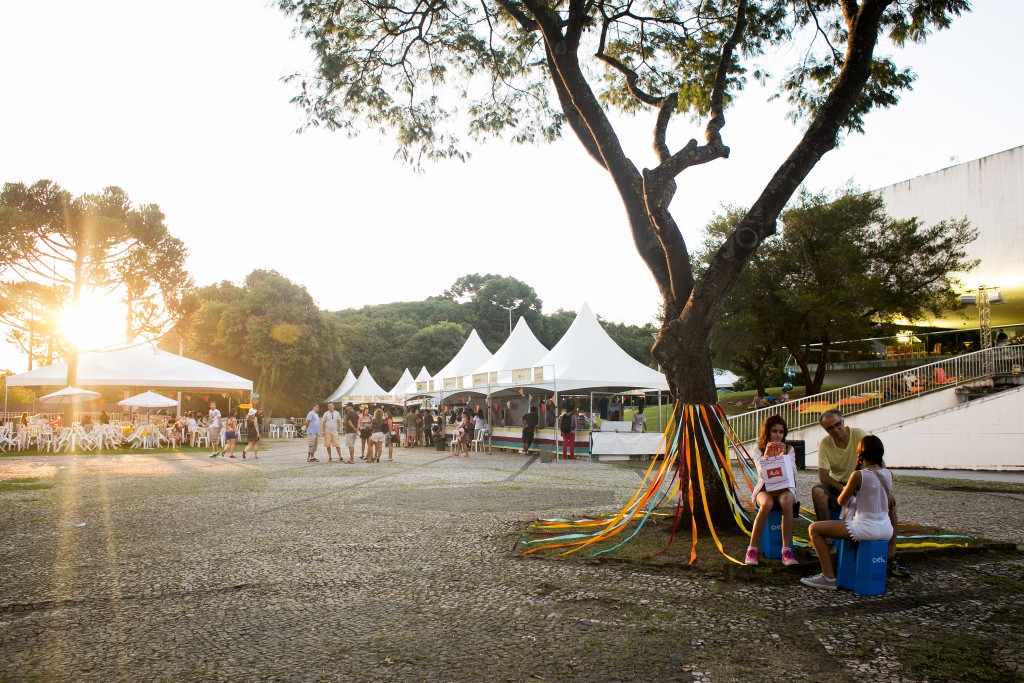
751	556
787	557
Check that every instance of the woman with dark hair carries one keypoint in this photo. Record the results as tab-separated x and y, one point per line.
871	485
771	441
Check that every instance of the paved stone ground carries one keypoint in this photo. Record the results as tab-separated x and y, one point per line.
179	567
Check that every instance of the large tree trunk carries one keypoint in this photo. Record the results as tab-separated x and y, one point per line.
685	358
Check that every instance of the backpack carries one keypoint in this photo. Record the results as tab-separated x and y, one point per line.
565	423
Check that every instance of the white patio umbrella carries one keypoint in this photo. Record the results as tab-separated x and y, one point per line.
148	399
70	395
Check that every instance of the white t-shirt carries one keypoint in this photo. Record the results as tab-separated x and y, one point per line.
331	422
639	420
214	420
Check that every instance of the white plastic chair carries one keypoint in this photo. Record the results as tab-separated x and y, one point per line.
62	440
202	436
478	440
6	442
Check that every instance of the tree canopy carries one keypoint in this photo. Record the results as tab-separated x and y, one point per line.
60	245
840	267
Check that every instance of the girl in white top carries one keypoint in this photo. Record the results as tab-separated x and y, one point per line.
772	441
870	489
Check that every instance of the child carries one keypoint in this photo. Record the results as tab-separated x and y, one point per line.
871	484
230	434
771	442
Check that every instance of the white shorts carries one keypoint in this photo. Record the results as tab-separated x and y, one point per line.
377	437
869	529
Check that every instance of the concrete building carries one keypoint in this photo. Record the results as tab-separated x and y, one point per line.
989	192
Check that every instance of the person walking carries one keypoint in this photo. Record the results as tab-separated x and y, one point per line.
252	434
213	424
230	436
312	433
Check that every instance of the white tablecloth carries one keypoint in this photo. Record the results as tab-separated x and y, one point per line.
625	443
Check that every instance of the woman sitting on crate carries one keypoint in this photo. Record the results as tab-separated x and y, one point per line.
771	442
870	490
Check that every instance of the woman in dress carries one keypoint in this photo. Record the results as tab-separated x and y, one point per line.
365	423
871	484
252	434
771	441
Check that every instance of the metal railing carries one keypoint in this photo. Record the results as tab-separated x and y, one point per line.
899	386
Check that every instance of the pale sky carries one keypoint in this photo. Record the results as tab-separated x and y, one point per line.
181	103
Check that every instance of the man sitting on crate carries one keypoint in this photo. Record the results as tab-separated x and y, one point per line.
837	460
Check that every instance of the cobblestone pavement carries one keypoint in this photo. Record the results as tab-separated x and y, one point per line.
180	567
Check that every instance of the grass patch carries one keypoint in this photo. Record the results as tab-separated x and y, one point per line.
25	484
953	655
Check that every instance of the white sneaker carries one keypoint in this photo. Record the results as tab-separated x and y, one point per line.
819	581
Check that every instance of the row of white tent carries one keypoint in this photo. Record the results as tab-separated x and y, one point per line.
585	358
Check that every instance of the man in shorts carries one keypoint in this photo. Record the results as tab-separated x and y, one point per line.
837	461
330	424
213	423
312	433
351	430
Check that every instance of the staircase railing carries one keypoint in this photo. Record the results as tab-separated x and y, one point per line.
874	393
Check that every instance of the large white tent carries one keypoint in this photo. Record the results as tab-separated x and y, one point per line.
522	350
458	373
403	383
587	358
366	390
345	385
138	366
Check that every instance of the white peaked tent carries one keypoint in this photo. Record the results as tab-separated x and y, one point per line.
520	350
346	383
138	366
587	358
403	382
415	388
453	377
366	390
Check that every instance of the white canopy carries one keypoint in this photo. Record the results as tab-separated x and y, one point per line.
403	382
70	395
345	385
366	390
423	385
587	358
148	399
521	350
138	366
452	377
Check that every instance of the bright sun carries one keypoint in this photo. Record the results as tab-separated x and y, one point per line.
97	322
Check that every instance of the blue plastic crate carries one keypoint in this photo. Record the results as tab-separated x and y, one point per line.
771	537
862	566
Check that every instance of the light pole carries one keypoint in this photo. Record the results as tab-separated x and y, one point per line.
510	309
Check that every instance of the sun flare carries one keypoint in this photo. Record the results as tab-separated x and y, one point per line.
96	322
